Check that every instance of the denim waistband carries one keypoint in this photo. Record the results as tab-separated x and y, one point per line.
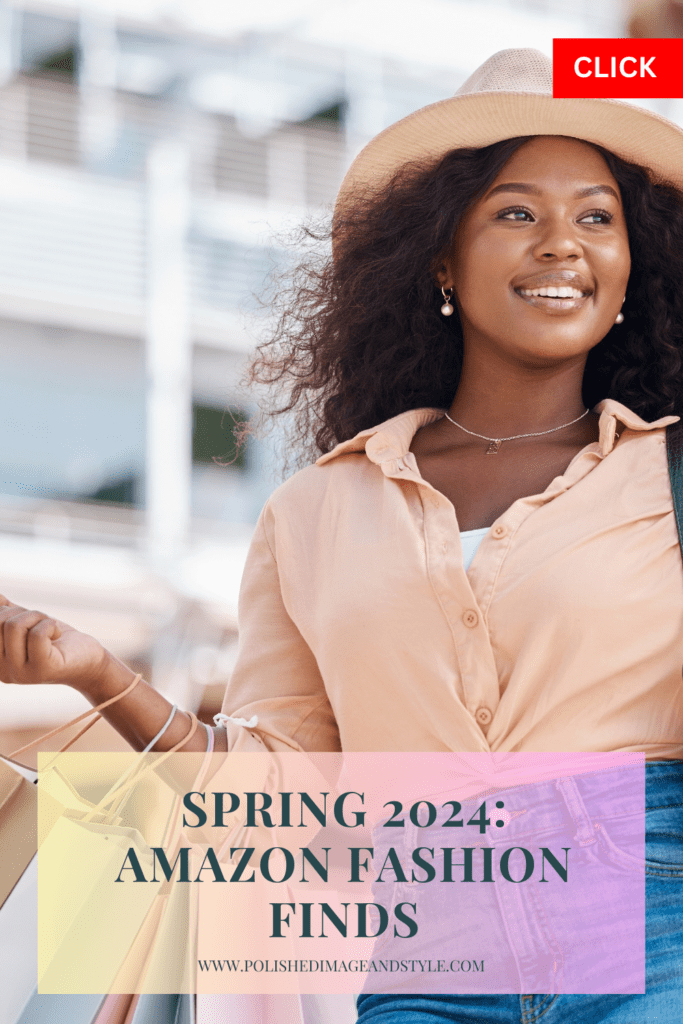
577	802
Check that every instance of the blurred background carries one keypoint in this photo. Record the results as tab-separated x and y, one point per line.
150	152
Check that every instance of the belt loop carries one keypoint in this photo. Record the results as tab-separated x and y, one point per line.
585	833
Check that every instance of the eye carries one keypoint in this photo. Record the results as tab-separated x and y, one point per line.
597	217
515	213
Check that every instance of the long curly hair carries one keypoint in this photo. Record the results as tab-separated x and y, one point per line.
359	337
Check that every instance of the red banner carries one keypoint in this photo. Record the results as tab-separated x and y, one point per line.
618	68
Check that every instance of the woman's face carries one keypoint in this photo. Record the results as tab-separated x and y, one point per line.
540	263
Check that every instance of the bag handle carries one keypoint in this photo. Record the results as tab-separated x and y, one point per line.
127	782
674	451
74	721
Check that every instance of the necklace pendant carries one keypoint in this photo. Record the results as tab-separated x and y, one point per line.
493	447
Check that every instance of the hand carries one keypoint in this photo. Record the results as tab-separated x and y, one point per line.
37	649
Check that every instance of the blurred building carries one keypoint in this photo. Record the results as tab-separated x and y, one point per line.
149	152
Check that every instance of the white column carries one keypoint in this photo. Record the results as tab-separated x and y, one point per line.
168	356
97	83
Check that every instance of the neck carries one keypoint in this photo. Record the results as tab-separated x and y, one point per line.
501	400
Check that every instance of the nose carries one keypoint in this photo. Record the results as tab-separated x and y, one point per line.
557	241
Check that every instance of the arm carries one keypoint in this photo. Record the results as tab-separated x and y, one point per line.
35	648
276	677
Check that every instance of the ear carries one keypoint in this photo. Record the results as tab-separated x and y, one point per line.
439	270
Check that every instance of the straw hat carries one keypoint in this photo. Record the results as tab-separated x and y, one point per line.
511	95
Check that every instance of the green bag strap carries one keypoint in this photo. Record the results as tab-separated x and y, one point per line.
674	451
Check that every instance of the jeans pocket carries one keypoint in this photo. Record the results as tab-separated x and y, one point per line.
621	840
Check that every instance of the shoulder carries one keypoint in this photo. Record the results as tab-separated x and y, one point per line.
354	464
306	491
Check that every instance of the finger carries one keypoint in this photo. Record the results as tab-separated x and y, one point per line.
7	610
15	633
39	643
7	607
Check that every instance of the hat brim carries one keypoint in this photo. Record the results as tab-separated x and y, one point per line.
477	120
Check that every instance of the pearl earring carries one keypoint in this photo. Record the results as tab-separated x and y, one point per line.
619	319
447	308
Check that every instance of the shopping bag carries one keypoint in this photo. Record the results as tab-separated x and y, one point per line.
18	800
18	945
72	1009
162	1009
19	999
131	937
84	915
114	1009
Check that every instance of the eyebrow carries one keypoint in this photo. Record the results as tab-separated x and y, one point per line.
521	186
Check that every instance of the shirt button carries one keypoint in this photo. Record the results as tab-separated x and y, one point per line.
470	618
483	716
499	531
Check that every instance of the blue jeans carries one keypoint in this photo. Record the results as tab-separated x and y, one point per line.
662	1002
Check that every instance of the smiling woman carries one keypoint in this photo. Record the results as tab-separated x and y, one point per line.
537	287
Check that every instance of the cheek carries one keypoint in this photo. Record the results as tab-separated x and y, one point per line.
614	271
482	270
616	261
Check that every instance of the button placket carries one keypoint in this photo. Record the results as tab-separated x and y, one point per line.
476	666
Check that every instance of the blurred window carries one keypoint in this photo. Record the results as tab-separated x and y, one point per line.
72	414
241	162
213	439
49	44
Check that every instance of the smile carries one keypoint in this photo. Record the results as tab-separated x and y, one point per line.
554	293
562	298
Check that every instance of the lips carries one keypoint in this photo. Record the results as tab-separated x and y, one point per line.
555	291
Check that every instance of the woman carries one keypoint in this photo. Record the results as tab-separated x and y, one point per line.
495	349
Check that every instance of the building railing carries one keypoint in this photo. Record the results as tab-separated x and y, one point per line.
44	118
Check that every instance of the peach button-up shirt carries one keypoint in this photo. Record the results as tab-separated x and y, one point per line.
361	630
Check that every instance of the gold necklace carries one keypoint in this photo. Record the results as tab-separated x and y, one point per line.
496	442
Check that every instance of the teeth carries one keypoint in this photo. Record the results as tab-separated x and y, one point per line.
554	293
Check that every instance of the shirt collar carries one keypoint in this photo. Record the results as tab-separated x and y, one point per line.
392	438
612	412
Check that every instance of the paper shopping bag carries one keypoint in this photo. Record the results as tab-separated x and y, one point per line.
73	1009
18	945
84	916
162	1009
17	827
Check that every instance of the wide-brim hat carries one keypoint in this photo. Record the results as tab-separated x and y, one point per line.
511	95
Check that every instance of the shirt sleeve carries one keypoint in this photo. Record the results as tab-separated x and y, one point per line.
276	679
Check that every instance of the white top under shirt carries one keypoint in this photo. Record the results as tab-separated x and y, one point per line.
470	540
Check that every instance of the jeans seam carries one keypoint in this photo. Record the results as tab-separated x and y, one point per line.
530	1014
546	1008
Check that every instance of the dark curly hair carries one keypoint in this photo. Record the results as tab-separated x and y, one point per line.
359	337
